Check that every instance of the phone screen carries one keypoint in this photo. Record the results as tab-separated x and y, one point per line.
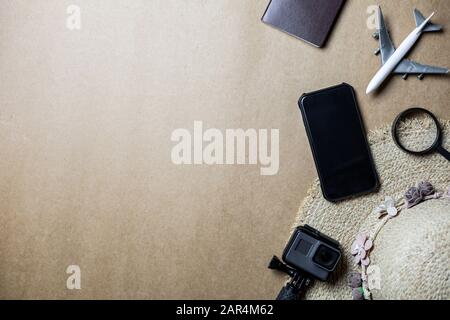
338	142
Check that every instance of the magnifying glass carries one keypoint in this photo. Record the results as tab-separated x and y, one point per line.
417	131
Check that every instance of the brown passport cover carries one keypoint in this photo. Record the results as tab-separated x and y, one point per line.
308	20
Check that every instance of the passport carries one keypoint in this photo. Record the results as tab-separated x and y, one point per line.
308	20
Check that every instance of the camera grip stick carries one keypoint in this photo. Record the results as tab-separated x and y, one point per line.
289	293
294	289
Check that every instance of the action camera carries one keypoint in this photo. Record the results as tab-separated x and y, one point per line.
308	255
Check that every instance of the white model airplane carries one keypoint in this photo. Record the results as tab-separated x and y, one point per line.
393	59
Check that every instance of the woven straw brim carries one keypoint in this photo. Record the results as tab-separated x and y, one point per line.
412	254
398	171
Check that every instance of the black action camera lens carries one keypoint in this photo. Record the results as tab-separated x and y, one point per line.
326	257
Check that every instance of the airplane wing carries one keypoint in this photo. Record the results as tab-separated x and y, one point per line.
411	67
386	46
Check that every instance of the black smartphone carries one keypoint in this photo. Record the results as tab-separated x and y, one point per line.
338	142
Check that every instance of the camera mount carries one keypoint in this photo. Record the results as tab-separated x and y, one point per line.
295	287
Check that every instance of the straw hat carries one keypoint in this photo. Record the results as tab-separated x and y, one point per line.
409	256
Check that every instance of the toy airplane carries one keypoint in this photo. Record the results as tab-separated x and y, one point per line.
393	60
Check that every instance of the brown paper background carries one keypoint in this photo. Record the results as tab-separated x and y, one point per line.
85	124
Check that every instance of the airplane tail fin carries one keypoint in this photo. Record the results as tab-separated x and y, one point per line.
430	27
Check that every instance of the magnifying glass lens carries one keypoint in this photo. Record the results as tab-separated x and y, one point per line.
417	131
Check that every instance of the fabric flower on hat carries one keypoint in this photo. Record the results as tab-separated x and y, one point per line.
426	189
360	249
354	281
416	195
387	207
413	197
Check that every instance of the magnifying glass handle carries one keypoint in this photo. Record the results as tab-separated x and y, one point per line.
444	152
